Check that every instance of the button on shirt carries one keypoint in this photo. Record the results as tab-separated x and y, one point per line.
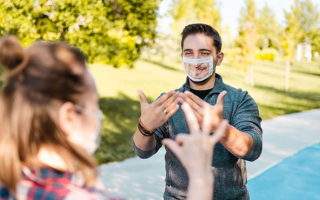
229	171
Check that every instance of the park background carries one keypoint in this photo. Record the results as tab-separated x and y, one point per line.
271	50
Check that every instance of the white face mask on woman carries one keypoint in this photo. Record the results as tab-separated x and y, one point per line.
92	142
199	69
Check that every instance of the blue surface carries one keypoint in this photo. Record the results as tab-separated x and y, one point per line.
295	178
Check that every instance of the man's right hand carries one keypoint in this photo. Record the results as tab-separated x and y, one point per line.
159	112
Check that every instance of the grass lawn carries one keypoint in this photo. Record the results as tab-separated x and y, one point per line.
121	105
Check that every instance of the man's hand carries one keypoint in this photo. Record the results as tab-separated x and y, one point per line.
199	106
157	113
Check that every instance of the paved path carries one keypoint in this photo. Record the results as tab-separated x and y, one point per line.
284	136
296	177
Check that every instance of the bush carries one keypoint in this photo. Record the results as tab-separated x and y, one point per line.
112	32
266	54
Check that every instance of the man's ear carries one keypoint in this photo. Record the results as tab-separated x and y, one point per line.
66	118
220	58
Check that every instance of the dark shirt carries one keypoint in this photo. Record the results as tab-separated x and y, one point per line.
230	174
201	93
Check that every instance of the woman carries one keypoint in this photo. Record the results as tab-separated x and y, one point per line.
50	123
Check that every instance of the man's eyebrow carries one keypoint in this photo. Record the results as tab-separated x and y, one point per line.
199	50
205	50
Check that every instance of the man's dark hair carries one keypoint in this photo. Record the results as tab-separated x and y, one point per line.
208	30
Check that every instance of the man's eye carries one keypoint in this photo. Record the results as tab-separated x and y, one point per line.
205	54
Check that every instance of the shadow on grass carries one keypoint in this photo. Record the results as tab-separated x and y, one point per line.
121	115
310	96
305	72
303	101
162	65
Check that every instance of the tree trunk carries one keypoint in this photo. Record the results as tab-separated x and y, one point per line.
287	74
251	76
246	77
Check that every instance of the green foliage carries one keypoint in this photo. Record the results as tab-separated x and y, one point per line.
185	12
248	37
266	54
108	33
196	11
268	29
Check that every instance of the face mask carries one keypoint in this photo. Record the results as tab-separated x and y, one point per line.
92	142
199	69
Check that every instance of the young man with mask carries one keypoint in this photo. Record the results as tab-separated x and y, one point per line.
201	53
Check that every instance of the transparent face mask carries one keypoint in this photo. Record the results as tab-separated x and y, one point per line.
198	69
92	142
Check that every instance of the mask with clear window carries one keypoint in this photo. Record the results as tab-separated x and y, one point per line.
198	69
92	142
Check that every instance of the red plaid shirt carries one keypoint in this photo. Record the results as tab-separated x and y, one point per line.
51	184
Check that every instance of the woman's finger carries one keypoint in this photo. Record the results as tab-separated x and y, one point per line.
207	118
191	119
173	146
220	131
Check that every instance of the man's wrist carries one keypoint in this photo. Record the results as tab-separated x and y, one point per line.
146	124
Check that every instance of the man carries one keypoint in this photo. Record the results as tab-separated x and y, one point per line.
201	53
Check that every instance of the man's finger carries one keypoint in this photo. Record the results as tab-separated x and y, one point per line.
143	99
170	100
191	119
173	146
195	98
221	98
192	103
164	97
220	131
171	112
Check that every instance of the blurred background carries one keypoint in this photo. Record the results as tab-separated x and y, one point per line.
271	50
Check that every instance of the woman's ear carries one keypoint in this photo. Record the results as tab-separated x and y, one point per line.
66	118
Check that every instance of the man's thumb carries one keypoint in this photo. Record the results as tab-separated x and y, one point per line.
143	99
221	98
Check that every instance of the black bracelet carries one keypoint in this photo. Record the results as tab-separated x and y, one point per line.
143	131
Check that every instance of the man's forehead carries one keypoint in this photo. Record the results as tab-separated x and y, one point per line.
197	42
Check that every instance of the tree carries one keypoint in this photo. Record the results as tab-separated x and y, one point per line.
196	11
104	32
186	12
269	30
243	57
295	32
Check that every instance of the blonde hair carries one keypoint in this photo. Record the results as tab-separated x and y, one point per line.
37	83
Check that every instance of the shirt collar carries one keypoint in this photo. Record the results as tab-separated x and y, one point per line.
217	88
47	175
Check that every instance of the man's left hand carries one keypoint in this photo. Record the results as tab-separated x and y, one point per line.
198	106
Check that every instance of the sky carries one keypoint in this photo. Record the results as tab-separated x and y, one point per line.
230	12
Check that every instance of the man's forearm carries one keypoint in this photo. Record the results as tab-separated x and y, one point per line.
144	143
237	142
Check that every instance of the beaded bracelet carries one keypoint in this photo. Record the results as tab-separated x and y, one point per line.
143	130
